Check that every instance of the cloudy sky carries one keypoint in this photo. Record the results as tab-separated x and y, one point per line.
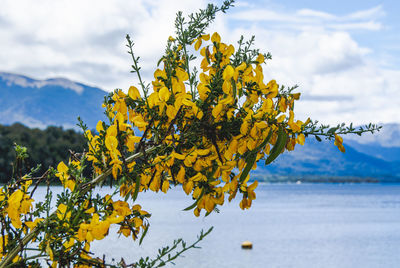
344	55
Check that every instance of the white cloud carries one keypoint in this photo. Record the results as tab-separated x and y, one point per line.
308	18
85	42
316	14
339	78
375	12
368	25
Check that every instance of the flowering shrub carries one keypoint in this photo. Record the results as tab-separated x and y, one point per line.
202	129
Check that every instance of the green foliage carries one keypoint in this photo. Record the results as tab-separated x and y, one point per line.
45	148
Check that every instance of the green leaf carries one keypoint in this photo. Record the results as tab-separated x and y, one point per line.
332	130
318	138
278	147
250	160
195	203
144	234
137	186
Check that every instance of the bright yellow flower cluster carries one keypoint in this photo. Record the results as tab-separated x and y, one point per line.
203	132
200	129
75	234
130	219
228	122
16	204
16	212
64	176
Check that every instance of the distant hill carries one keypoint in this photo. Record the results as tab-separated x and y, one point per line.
41	103
58	102
323	160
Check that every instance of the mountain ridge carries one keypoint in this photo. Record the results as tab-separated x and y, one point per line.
55	101
59	101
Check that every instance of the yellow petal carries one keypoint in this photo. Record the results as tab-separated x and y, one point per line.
99	126
165	186
215	38
197	45
90	210
253	186
217	110
125	231
62	208
180	177
188	187
62	168
260	59
181	74
171	112
205	37
133	93
228	72
137	222
111	143
300	139
164	94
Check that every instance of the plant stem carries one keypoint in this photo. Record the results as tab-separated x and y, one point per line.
90	185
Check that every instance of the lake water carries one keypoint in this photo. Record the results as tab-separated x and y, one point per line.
290	225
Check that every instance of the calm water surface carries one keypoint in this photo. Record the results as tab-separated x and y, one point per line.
307	225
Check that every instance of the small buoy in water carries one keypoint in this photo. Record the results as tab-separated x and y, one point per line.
247	245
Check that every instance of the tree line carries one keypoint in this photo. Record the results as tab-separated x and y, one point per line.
45	147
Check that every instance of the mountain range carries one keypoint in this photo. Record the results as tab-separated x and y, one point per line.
40	103
59	101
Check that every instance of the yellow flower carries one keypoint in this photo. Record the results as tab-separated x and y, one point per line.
171	112
165	186
339	143
245	203
99	126
111	143
62	171
122	208
139	122
125	230
137	222
26	205
188	187
181	74
33	224
272	89
131	141
164	94
62	212
112	130
68	244
180	177
198	44
133	93
300	139
215	38
216	112
228	72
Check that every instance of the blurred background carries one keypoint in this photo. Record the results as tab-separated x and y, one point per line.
59	59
